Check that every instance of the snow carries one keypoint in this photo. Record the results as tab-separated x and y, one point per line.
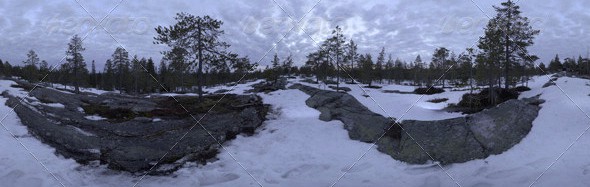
294	148
55	105
237	89
55	86
403	106
95	117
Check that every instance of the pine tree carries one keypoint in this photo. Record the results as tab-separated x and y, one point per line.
507	37
7	69
164	75
199	38
151	73
352	59
555	65
418	68
276	68
440	62
109	74
2	68
288	65
32	59
379	65
335	49
390	69
92	79
367	69
30	66
75	61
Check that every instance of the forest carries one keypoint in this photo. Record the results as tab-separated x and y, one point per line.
500	60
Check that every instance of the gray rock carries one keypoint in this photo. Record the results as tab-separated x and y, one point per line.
135	145
456	140
340	88
361	123
269	86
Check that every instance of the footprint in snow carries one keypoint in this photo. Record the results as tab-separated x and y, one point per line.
11	177
503	173
217	179
586	170
419	170
431	181
29	182
311	169
482	184
357	168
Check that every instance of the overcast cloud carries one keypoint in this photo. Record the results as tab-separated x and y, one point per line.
405	28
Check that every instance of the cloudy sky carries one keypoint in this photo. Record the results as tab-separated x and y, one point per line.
405	28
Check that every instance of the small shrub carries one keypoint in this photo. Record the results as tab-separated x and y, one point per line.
485	99
373	87
438	100
521	89
428	91
330	82
309	81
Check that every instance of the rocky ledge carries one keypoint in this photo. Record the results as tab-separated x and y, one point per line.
456	140
135	133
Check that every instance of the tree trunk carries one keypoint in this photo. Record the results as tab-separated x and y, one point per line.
507	60
200	68
337	73
76	86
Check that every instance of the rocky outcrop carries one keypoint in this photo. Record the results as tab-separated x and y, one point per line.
361	123
138	139
269	86
456	140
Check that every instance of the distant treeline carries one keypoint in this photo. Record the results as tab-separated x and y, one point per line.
196	58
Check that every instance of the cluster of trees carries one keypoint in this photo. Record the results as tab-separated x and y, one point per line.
196	58
501	59
580	66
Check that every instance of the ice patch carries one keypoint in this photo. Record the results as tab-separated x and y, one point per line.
94	118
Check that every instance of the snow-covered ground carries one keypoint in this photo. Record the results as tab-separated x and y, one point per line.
294	148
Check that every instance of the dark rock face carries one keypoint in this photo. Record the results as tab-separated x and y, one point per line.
269	86
135	143
456	140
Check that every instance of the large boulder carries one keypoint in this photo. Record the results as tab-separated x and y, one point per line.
135	141
456	140
361	123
